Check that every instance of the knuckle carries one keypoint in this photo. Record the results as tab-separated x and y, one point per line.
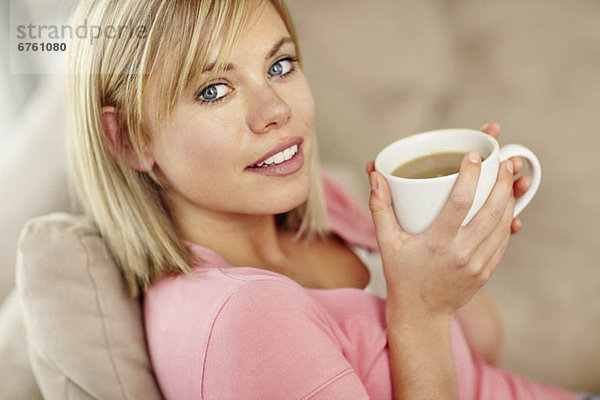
485	276
495	213
461	204
375	206
505	177
386	247
505	169
473	270
391	242
507	230
462	258
435	247
508	216
506	220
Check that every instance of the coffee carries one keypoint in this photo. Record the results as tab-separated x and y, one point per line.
430	166
418	202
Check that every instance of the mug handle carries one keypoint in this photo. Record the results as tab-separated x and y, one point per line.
516	150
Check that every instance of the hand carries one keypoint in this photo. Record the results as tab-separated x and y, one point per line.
521	185
437	271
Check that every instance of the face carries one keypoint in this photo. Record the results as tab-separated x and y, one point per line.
220	128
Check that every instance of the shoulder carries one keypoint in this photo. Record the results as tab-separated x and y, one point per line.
192	304
207	291
260	303
185	315
275	343
256	330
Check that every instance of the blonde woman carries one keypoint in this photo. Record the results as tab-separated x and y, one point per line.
193	149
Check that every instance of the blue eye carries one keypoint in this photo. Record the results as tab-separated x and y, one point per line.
278	67
212	94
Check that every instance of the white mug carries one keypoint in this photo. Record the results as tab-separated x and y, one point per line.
417	202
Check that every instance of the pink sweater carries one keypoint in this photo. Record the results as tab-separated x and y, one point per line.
240	333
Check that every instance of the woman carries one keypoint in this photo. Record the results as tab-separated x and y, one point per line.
251	288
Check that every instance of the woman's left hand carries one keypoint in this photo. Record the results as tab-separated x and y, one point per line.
521	185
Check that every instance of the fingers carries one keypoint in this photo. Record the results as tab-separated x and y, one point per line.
496	258
515	226
491	128
387	228
370	167
492	211
489	248
461	198
517	163
521	185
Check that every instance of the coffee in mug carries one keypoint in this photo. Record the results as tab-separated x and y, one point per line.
431	165
417	202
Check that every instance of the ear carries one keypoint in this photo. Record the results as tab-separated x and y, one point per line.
119	144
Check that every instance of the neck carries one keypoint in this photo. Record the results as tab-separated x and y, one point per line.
241	239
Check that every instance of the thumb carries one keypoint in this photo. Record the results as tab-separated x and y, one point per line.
380	204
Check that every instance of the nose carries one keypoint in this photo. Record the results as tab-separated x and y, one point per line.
268	110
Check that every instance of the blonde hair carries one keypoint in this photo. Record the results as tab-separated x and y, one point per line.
128	206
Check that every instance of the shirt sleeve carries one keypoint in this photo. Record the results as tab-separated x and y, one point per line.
268	341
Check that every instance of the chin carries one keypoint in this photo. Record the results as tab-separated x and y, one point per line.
286	200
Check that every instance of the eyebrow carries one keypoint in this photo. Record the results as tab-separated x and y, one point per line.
272	52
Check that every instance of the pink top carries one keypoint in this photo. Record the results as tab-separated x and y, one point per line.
236	333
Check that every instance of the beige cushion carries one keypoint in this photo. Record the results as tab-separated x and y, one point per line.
16	378
85	334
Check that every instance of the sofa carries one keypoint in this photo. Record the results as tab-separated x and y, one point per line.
378	71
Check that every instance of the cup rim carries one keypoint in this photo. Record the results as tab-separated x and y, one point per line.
491	139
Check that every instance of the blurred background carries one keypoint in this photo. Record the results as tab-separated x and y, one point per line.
379	71
384	69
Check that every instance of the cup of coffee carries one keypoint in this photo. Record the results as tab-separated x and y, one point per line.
421	171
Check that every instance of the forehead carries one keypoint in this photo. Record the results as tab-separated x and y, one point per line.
265	19
262	29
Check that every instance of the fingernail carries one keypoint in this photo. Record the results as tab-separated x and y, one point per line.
485	126
509	166
474	157
518	162
374	181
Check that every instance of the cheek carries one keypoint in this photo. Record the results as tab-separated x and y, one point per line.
304	102
192	157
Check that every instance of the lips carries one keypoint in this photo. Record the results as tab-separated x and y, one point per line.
280	147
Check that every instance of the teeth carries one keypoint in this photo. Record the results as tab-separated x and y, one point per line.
279	157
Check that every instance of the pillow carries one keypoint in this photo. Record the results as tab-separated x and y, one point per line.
16	378
85	334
